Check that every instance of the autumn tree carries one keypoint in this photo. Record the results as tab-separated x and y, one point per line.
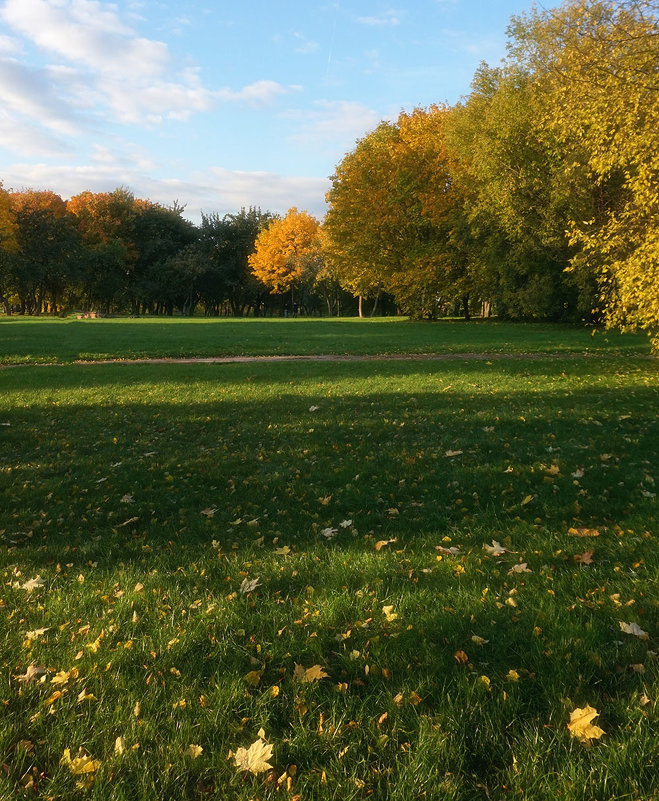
392	207
45	264
599	59
8	246
288	252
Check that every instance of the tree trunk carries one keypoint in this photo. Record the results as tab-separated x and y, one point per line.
375	303
361	305
465	306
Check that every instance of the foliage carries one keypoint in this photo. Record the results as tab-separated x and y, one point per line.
599	59
287	252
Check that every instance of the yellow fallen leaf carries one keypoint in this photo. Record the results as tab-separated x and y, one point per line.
193	751
381	543
119	746
512	675
81	764
633	628
274	691
253	677
255	758
527	500
314	673
389	613
85	696
57	694
580	725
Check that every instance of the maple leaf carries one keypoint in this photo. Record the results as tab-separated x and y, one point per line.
583	532
496	549
635	629
249	585
452	551
81	764
314	673
520	568
63	676
33	584
580	725
255	758
329	532
345	523
585	558
127	499
283	551
209	511
32	635
381	543
32	672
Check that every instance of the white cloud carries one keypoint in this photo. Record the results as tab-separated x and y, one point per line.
388	18
260	93
108	67
10	46
334	125
215	190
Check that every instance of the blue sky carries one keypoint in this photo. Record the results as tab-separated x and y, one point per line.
226	104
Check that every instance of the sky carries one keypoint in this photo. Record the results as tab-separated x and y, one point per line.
222	105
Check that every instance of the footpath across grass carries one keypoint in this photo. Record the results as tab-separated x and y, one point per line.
398	580
43	340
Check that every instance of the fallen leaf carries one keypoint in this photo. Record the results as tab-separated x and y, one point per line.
253	677
389	613
583	532
193	751
85	696
496	549
209	511
461	657
329	532
119	746
255	758
314	673
527	500
585	558
249	585
452	453
453	550
283	551
81	764
379	545
478	640
32	672
314	408
33	584
32	635
635	629
520	568
580	724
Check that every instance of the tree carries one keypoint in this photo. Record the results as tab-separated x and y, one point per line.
288	252
600	62
46	260
520	187
106	222
227	244
8	245
392	207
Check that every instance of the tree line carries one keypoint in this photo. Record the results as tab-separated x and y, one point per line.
535	197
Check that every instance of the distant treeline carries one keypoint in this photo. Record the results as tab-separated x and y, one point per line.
536	197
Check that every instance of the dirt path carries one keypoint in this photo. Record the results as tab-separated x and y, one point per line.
330	358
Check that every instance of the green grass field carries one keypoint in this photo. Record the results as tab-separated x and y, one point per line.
181	543
40	340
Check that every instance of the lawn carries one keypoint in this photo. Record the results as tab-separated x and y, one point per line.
397	579
39	340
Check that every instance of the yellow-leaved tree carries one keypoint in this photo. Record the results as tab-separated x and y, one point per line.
288	252
600	60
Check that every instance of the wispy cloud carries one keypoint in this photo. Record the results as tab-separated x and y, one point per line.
391	17
106	66
215	190
334	125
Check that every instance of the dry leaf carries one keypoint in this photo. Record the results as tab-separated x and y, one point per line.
635	629
452	453
119	746
580	725
314	673
461	657
249	585
32	672
453	550
520	568
255	758
329	532
253	677
381	543
478	640
585	558
496	549
583	532
193	751
33	584
209	511
32	635
389	613
81	764
527	500
85	696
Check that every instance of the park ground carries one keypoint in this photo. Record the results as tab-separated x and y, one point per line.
385	579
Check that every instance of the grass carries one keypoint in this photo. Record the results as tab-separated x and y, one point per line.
177	516
43	340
